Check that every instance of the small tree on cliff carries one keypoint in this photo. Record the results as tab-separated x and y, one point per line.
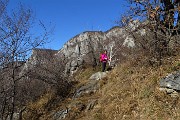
16	42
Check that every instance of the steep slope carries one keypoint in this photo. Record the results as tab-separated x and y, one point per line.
130	91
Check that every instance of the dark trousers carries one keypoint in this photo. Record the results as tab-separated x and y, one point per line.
103	66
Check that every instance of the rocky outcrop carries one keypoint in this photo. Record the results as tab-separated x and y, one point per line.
83	48
76	106
38	56
171	84
61	114
87	46
98	76
171	81
90	87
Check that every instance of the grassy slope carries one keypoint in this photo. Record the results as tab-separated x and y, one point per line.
129	92
132	93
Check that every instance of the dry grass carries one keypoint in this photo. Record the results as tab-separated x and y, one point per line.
42	109
85	73
38	108
132	94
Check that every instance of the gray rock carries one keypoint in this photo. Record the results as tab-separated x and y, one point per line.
15	116
98	76
72	66
171	81
73	69
61	114
80	61
90	87
67	68
74	63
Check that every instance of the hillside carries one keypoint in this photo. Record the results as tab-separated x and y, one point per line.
67	83
129	91
129	72
63	88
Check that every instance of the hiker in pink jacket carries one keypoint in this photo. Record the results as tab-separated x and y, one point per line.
104	59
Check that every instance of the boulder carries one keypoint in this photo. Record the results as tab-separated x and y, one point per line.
90	87
171	81
98	76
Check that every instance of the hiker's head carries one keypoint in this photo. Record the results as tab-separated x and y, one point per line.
105	51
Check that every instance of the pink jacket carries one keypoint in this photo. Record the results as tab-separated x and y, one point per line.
103	58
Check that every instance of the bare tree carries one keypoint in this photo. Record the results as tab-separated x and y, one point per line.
159	17
16	42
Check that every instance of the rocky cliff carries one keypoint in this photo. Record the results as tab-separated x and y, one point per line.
86	47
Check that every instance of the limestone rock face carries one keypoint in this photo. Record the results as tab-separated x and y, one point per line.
81	44
38	56
86	48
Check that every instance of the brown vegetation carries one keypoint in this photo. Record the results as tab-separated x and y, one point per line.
132	93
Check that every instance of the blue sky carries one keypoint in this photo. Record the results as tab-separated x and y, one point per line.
72	17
